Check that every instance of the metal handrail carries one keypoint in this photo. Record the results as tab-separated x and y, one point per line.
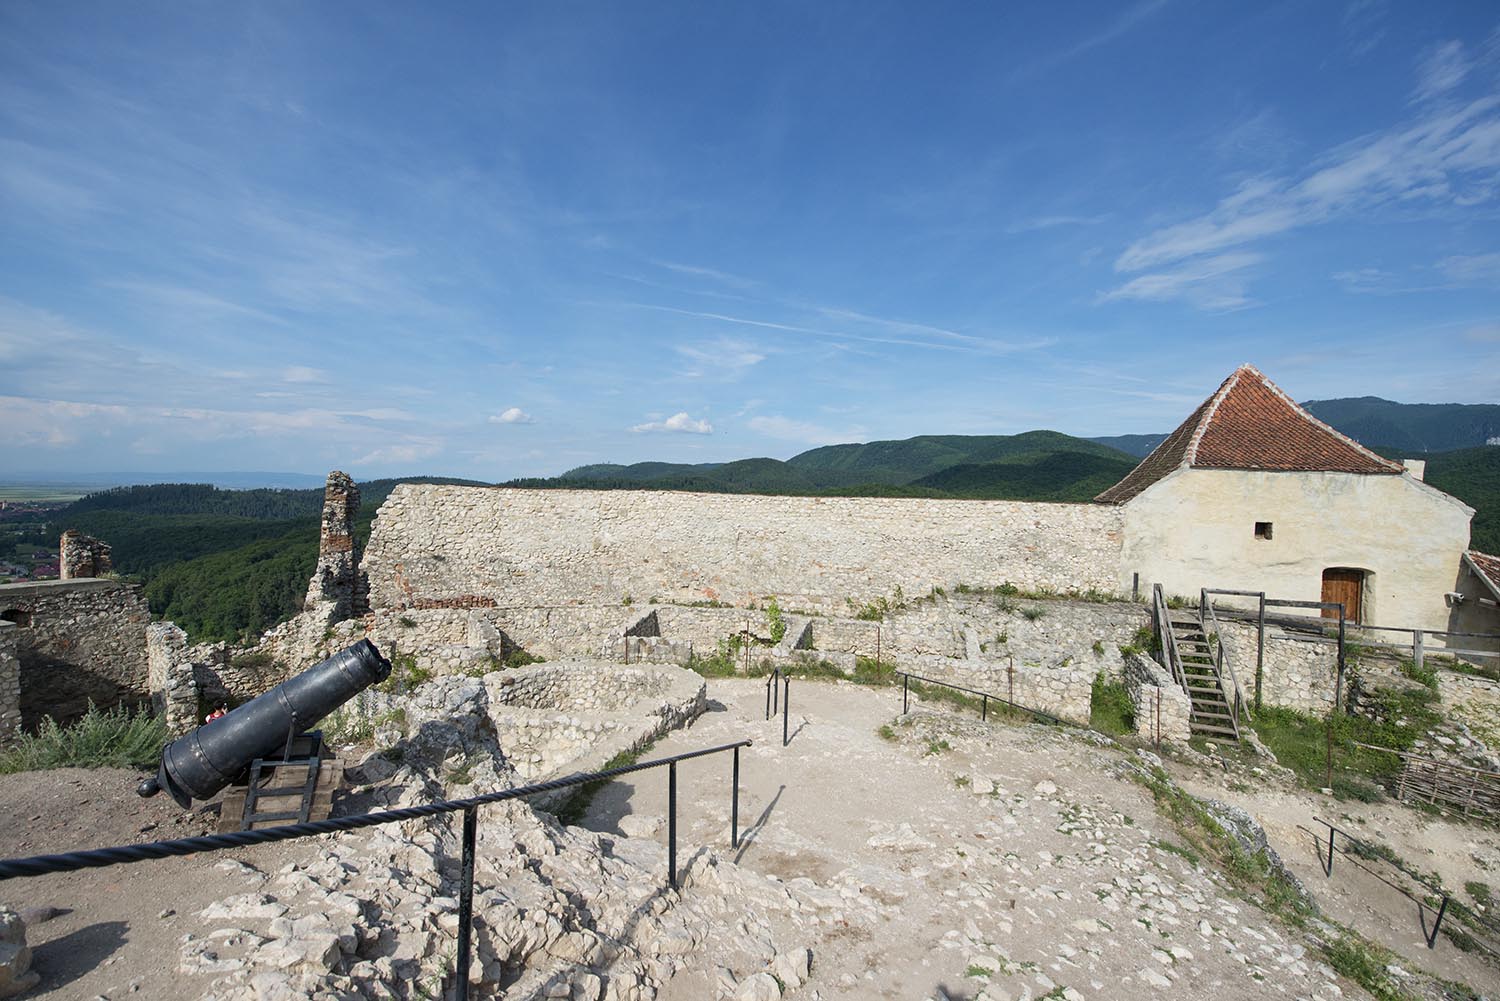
38	865
985	697
1368	851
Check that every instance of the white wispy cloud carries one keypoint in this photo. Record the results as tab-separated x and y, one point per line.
1123	22
403	454
1445	157
1363	25
1214	283
721	358
1054	221
303	374
679	422
1441	68
1484	333
696	271
1472	269
777	426
921	336
512	415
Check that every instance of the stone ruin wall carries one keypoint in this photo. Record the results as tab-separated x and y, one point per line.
78	641
447	545
1296	673
188	681
1044	653
10	683
82	555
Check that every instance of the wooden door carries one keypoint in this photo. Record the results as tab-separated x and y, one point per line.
1343	584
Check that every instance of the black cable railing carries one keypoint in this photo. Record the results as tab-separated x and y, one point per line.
39	865
985	698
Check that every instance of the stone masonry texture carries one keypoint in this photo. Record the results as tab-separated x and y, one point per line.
337	574
465	546
10	683
83	556
84	640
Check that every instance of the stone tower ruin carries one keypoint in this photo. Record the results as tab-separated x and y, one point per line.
82	556
336	578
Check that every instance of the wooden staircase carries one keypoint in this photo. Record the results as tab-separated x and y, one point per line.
1198	672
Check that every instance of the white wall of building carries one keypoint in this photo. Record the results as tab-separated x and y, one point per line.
1195	528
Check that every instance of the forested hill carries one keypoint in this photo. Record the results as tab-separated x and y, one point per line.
1377	423
1414	427
1036	465
1473	476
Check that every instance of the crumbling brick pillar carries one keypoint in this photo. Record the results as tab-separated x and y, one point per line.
83	556
336	578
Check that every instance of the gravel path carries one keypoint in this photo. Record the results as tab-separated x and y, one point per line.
1013	864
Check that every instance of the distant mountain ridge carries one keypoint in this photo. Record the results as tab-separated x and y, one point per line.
1377	423
1413	427
1035	465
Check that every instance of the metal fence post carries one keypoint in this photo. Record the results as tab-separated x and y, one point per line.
734	803
984	708
672	824
768	697
905	694
1432	939
786	709
466	902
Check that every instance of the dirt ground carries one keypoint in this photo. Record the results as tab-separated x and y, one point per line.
957	861
959	880
115	933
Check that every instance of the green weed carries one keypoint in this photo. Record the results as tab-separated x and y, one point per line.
102	738
1110	708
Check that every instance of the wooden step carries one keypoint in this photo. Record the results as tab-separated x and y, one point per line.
1222	731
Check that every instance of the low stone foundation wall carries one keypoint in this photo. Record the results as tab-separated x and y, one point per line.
548	718
1297	673
1162	708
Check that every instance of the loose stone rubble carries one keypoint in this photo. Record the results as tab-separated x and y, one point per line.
560	912
16	975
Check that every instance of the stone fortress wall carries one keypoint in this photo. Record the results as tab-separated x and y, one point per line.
461	577
447	545
635	576
10	682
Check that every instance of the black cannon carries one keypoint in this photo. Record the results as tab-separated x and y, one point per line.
199	764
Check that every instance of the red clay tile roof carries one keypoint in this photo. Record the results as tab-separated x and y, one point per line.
1488	568
1249	423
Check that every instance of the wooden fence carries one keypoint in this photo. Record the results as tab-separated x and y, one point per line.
1470	791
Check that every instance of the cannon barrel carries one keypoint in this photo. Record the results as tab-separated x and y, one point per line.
199	764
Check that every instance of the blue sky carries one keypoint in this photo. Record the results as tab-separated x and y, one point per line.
496	240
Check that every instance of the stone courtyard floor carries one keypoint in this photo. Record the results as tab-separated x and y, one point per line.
969	861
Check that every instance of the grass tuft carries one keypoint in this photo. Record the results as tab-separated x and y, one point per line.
1110	708
103	738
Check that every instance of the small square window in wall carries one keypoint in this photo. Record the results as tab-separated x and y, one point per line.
1262	529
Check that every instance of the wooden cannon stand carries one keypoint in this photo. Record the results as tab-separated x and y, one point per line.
307	770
